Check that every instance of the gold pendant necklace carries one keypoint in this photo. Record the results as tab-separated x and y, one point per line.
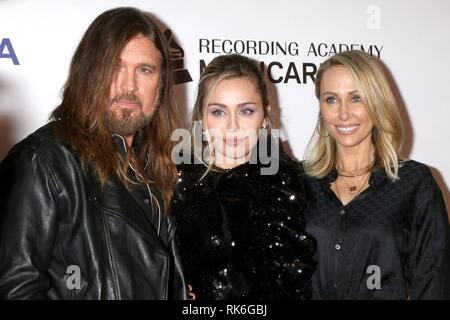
351	188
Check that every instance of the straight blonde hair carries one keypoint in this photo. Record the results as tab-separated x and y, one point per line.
374	88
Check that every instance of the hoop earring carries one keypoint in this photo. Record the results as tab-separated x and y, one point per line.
319	124
375	135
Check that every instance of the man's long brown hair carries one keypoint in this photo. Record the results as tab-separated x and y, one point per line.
86	94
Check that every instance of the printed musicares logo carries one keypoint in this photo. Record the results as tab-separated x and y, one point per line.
180	74
7	51
283	62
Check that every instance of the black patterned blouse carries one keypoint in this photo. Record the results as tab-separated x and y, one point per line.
390	242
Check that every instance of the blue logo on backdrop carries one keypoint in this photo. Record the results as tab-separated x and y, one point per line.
7	51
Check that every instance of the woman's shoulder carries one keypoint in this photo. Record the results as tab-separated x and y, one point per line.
292	165
189	168
287	180
411	169
191	173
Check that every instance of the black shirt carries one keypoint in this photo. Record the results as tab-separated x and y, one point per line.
147	195
390	242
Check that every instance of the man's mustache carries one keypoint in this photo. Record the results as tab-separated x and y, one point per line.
130	97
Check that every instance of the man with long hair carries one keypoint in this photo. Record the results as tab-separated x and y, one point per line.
84	199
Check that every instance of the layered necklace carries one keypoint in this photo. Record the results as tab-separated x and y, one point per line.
354	189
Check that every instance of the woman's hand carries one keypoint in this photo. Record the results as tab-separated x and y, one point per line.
191	295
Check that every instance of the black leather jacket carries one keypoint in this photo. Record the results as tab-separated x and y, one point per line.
53	216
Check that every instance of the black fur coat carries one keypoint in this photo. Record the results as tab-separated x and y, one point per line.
241	234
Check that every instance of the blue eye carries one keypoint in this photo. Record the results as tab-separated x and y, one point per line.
217	112
330	100
356	99
247	111
145	70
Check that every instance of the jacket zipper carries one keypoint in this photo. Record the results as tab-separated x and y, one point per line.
110	257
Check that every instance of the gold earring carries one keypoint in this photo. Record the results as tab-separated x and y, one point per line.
266	124
319	124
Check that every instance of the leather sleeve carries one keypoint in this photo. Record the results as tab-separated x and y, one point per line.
179	287
28	223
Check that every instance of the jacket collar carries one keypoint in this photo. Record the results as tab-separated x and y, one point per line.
253	168
122	145
136	145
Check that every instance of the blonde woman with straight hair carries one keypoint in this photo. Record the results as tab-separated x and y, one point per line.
380	222
241	232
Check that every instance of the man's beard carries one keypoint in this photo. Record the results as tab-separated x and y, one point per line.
126	122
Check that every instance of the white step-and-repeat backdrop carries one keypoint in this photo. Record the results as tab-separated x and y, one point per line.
412	37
